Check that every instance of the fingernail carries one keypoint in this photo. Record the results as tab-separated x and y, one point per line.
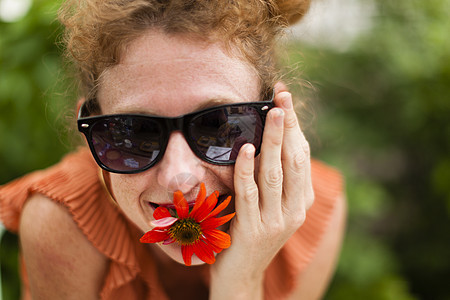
287	102
248	151
278	116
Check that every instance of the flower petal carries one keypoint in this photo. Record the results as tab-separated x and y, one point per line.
204	252
213	246
202	192
164	222
211	223
161	212
181	205
218	238
154	236
199	201
220	207
168	241
207	207
187	252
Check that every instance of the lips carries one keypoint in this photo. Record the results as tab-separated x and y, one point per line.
171	206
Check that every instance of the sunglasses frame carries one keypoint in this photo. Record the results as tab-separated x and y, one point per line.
168	125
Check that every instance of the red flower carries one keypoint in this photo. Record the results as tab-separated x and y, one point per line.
194	231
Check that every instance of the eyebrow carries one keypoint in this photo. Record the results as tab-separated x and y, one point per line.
210	103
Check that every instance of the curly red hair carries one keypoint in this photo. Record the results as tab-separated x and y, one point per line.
98	31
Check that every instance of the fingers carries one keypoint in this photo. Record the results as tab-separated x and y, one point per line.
270	176
245	188
284	186
280	87
271	204
295	157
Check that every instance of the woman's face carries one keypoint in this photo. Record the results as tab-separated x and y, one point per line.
171	76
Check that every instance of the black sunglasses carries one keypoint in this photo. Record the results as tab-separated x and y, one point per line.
132	143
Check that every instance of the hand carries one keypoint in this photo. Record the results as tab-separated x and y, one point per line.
271	201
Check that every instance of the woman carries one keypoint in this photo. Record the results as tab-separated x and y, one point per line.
155	75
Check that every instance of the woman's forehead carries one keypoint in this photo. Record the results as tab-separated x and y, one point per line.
175	70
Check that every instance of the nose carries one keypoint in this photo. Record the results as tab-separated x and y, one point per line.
179	169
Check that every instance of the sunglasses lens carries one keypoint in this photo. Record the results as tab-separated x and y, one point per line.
219	134
126	143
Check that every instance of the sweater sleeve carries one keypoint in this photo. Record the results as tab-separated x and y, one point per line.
74	183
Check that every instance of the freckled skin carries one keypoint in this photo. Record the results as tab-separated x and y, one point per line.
165	76
171	76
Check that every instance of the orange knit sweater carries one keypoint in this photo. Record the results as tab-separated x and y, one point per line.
74	182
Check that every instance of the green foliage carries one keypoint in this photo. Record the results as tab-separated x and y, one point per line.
383	119
33	110
382	115
9	267
30	115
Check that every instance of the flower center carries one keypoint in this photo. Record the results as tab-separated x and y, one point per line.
185	231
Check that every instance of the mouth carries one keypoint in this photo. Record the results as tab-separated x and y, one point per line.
172	209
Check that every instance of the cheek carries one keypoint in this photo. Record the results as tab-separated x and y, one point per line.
225	174
126	189
223	177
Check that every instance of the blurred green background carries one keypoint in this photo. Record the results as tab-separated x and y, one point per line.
381	115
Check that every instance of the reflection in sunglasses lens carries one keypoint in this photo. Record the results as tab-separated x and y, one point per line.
132	143
221	133
126	143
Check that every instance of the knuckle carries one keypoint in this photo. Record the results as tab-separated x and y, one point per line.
306	148
277	227
298	219
274	177
291	121
309	201
299	161
295	217
276	140
250	193
274	226
244	174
